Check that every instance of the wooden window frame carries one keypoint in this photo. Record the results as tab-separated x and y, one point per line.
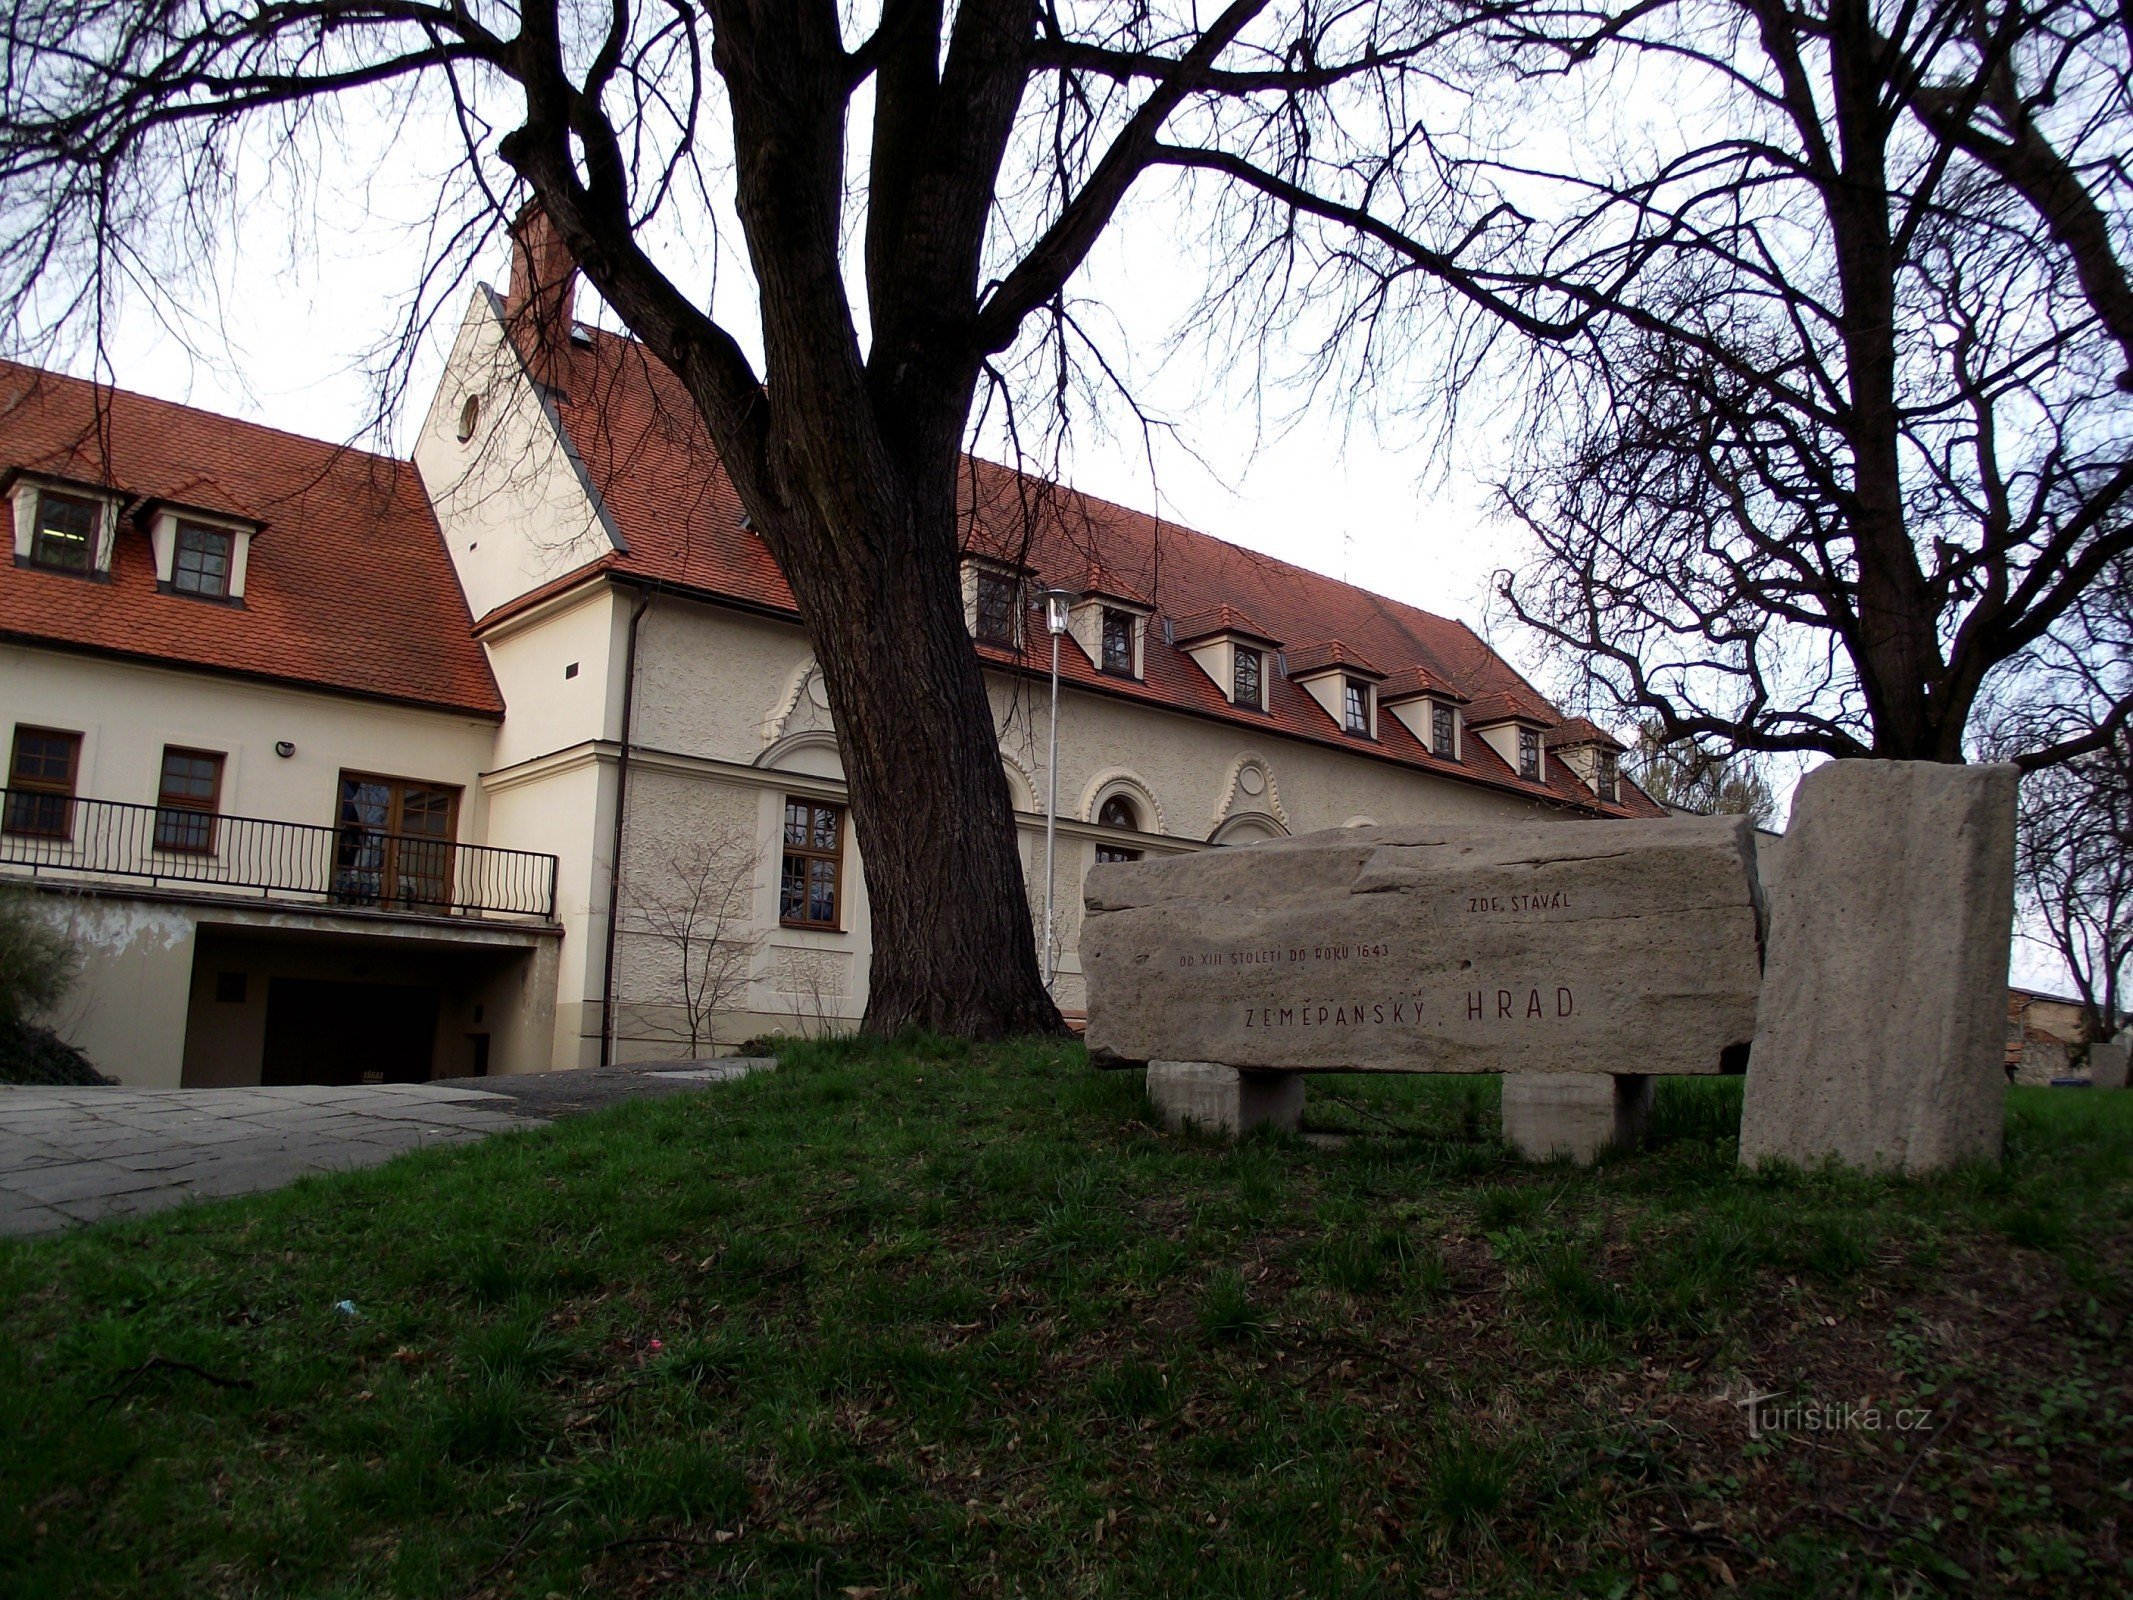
25	795
1443	732
997	581
1355	707
807	854
180	527
1529	744
394	872
181	808
1238	655
1609	781
1119	800
90	566
1123	621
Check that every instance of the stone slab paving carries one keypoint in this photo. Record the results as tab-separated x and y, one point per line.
80	1155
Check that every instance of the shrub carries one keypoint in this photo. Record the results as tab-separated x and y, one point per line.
38	963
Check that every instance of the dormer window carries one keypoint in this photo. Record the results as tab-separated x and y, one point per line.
63	527
1246	669
1118	642
996	608
202	561
1529	755
63	535
1610	784
200	553
1443	733
1356	700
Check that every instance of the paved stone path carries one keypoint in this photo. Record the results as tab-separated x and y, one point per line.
80	1155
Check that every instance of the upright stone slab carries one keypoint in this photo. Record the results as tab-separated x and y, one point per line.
1882	1035
1592	947
2107	1066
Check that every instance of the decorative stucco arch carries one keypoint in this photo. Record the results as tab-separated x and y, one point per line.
1248	827
1114	781
1021	786
801	704
810	750
1239	794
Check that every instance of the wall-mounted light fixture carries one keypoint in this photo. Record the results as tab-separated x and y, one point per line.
284	748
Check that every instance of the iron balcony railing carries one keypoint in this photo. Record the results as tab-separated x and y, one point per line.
348	865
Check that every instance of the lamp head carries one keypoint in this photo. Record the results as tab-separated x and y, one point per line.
1056	605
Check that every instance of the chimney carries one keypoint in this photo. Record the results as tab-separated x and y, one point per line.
544	281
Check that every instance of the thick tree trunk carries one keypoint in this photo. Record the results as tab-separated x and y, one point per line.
1896	648
954	951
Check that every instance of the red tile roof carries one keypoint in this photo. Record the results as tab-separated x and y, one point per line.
348	587
646	450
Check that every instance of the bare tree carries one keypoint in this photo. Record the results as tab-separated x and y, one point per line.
1681	773
696	900
2074	873
1003	137
1848	435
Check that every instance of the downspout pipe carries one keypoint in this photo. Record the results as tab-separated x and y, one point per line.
614	865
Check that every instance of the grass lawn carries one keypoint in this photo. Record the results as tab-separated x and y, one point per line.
922	1320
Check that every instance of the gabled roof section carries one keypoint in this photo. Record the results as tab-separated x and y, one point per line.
1215	621
1512	704
1100	583
1578	731
1330	655
1413	683
651	460
348	590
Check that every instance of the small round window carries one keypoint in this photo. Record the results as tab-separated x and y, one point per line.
469	416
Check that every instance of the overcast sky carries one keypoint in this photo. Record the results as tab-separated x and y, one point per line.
1325	489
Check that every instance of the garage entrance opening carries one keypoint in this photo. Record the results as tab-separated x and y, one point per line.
321	1032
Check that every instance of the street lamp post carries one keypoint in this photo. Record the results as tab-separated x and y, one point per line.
1056	603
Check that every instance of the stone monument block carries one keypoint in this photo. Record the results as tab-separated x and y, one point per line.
1882	1033
1558	947
2107	1066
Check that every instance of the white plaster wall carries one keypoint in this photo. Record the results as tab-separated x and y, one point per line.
550	711
127	712
564	805
510	499
126	1012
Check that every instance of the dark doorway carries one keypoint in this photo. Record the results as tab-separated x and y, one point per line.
339	1033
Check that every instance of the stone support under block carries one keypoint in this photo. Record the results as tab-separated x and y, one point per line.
1881	1033
1574	1114
1219	1099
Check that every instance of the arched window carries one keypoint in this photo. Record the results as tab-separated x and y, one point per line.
1119	812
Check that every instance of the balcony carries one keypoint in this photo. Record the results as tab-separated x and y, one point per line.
332	867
